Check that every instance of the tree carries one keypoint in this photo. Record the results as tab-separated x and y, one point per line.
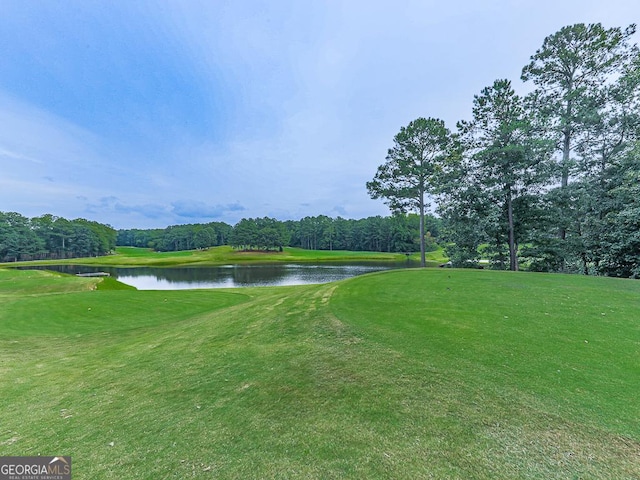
411	169
203	237
568	70
505	158
263	233
272	233
245	234
610	138
621	252
465	210
17	239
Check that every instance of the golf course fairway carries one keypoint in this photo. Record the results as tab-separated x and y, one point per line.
406	374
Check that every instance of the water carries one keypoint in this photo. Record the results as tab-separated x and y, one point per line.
228	276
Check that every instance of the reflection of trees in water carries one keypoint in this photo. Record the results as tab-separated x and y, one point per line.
177	274
249	274
264	274
238	275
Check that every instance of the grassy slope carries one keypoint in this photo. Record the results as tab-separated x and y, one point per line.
406	374
132	257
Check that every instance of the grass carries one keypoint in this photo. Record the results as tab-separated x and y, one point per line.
136	257
403	374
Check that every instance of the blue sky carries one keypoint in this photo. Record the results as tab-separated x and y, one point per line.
153	113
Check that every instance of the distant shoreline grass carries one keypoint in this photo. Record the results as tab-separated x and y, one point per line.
416	373
224	255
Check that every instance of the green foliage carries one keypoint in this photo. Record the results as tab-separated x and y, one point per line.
177	237
49	237
398	233
621	235
259	234
412	168
572	214
575	72
485	193
569	71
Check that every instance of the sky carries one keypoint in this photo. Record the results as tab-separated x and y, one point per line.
145	114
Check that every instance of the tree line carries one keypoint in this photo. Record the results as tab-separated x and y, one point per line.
177	237
548	181
397	233
50	237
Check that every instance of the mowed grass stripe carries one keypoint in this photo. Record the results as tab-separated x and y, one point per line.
516	355
398	375
551	333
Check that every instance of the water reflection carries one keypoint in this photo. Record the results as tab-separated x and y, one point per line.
177	278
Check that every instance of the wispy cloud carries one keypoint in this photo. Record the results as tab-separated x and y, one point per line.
177	212
199	210
150	211
7	154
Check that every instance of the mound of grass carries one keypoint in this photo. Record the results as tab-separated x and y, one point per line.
402	374
42	303
31	282
110	283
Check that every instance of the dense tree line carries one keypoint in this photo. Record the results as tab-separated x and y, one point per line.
548	181
177	237
398	233
259	234
50	237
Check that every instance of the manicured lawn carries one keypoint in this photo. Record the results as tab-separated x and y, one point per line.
537	375
404	374
131	257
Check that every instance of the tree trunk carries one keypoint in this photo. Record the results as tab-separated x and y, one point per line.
566	151
513	256
566	156
423	261
585	263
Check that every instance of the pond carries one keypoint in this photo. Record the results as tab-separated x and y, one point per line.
227	276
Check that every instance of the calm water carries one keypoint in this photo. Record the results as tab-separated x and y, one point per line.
177	278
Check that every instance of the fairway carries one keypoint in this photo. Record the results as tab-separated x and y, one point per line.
434	373
226	255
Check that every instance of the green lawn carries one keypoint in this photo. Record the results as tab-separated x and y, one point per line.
132	257
404	374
